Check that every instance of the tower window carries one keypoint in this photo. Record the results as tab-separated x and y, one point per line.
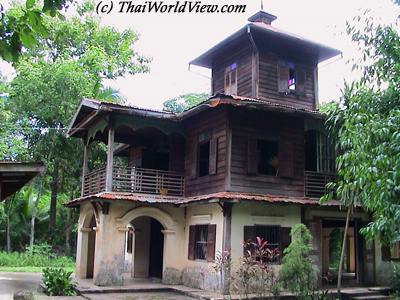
231	79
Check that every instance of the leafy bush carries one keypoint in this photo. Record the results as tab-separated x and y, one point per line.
297	273
395	280
57	282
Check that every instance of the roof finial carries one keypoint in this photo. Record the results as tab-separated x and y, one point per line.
262	4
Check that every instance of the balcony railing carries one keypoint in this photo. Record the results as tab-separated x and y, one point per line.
315	183
136	180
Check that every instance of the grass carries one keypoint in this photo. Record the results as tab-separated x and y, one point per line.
30	269
34	260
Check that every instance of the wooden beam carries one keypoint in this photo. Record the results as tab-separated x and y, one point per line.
85	165
110	157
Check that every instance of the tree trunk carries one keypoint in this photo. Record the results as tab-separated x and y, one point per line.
339	283
32	235
53	199
8	234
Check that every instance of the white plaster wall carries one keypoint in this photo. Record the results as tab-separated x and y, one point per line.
248	214
383	268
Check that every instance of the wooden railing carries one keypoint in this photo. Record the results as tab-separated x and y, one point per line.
95	181
315	183
136	180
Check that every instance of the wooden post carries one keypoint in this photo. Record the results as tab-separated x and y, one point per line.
110	159
84	165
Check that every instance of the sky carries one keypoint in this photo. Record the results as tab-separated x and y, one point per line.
173	40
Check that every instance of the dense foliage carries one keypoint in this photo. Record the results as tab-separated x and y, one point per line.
184	102
57	282
70	62
22	28
366	124
40	255
297	273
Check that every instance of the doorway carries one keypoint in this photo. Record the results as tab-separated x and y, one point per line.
148	248
91	248
332	239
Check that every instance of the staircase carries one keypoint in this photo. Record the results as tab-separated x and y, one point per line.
372	293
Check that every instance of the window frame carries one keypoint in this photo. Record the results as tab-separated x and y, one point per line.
258	158
209	243
231	88
294	72
387	252
198	243
281	230
199	145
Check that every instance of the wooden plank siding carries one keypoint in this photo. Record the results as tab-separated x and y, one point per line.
247	124
268	83
214	122
242	55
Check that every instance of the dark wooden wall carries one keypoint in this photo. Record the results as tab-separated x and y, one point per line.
268	83
242	55
247	124
216	122
265	77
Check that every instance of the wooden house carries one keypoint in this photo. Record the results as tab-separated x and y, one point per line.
252	160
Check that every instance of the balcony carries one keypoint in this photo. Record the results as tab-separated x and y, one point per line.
315	183
135	180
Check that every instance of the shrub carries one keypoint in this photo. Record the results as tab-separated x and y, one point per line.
395	280
57	282
297	273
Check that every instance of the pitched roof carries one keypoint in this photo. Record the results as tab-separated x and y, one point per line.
207	198
89	109
267	32
14	175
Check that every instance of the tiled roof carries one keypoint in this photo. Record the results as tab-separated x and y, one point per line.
220	196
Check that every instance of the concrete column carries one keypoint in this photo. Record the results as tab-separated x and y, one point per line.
110	159
226	244
110	250
81	252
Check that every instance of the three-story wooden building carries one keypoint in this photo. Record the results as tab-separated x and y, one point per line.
251	161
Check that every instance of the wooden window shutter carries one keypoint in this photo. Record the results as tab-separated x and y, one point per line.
385	253
234	82
285	239
194	161
286	159
252	155
300	81
283	78
192	241
211	235
213	156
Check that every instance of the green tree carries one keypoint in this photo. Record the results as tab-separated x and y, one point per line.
297	273
366	126
184	102
69	63
21	28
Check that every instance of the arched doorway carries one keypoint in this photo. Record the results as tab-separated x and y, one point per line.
91	248
145	247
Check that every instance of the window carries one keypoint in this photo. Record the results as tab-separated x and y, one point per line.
290	78
207	155
277	237
200	250
231	79
392	252
267	154
202	242
204	159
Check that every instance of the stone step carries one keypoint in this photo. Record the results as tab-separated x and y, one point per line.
359	292
372	297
